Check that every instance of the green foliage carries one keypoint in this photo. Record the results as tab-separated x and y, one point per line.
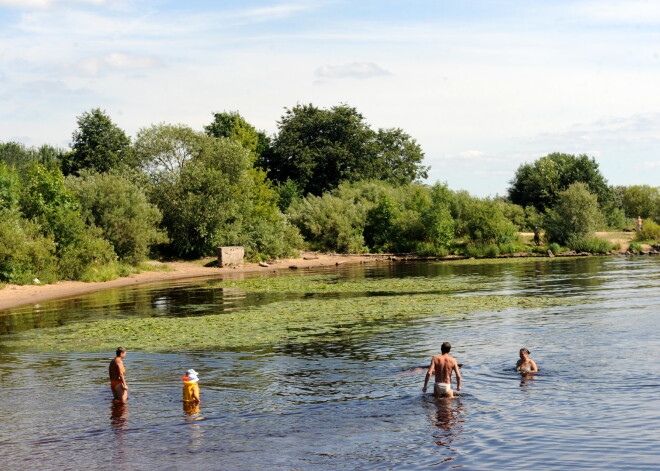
121	210
210	195
338	145
231	125
635	247
288	191
650	231
9	187
486	223
25	254
98	145
539	184
554	248
575	216
379	230
330	222
87	251
581	243
641	200
18	156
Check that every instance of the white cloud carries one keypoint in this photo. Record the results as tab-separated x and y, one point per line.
358	70
97	65
635	12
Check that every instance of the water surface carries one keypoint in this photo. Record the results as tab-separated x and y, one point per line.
357	403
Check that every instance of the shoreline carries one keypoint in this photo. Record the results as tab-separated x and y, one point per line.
14	296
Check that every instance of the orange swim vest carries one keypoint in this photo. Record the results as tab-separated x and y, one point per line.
188	389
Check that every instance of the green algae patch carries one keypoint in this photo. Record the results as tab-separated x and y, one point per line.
298	321
319	284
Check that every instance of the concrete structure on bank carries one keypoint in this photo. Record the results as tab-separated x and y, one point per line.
230	256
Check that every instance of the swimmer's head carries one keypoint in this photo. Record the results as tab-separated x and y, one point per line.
524	351
120	350
445	347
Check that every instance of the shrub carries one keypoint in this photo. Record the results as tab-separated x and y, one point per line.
575	216
554	248
120	208
635	247
588	244
650	231
430	249
89	250
486	224
25	254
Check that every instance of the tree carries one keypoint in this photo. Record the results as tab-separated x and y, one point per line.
232	126
98	144
210	194
19	156
642	200
121	210
320	148
576	214
538	184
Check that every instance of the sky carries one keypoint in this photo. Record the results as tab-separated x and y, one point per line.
482	85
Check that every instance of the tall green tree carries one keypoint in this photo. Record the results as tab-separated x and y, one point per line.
98	145
211	195
539	183
642	200
320	148
233	126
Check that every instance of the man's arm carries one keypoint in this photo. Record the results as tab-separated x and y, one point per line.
120	369
534	368
429	372
458	376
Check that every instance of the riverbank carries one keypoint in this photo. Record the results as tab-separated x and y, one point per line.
12	296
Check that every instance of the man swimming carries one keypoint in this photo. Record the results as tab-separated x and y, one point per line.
526	364
117	380
442	366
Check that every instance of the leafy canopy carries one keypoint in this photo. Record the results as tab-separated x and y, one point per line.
320	148
539	183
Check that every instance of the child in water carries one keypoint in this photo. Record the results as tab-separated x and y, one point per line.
526	364
191	387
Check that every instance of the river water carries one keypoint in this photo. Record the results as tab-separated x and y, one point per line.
357	403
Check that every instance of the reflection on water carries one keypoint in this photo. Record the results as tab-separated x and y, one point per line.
356	403
448	416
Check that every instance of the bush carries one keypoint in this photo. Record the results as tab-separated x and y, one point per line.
635	247
588	244
25	254
574	217
428	249
554	248
88	251
120	208
650	231
486	224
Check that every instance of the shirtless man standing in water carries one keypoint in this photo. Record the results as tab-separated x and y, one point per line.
117	380
442	366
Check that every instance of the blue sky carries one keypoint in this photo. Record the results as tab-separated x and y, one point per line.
482	85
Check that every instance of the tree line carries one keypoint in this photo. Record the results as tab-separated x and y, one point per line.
326	181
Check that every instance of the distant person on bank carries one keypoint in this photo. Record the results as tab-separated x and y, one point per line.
442	367
117	380
639	223
526	364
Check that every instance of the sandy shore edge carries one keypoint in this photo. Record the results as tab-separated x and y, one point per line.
13	296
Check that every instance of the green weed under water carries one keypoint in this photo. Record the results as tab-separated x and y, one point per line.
297	321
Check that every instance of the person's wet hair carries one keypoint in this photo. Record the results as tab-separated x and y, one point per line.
121	350
446	346
526	351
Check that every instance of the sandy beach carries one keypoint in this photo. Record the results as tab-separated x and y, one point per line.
12	296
